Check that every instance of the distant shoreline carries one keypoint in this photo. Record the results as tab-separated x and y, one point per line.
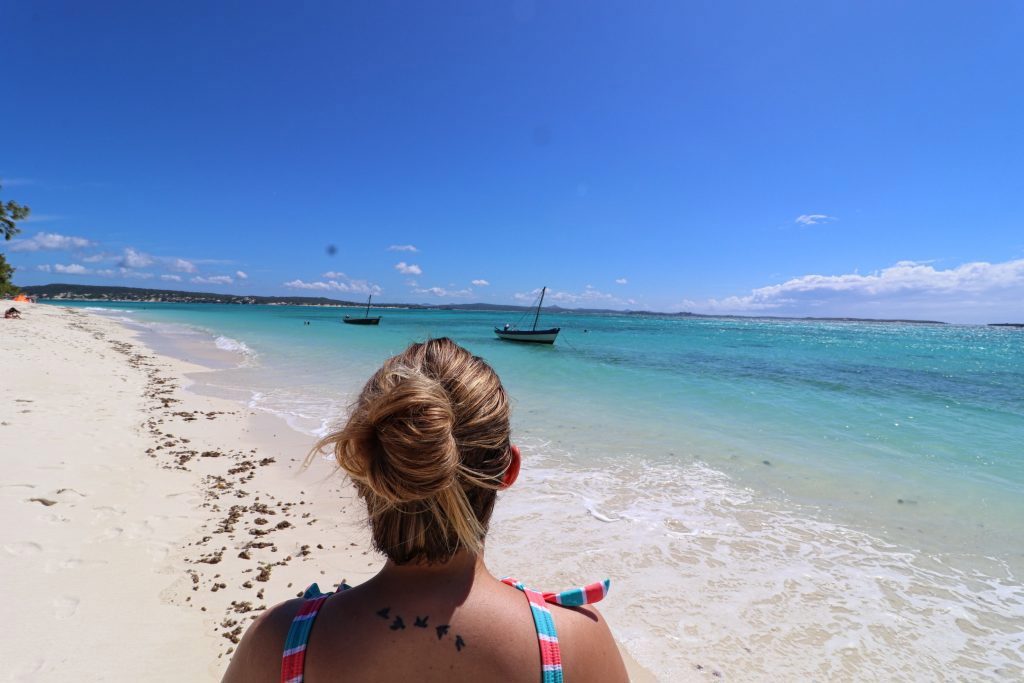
68	292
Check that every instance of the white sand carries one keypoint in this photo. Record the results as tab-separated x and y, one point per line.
131	506
101	540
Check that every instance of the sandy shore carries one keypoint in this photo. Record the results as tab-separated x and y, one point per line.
151	523
146	524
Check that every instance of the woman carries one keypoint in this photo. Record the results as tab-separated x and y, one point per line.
428	447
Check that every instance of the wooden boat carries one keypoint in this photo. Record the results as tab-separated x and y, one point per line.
365	320
533	335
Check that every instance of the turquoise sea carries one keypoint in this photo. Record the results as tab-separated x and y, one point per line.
821	499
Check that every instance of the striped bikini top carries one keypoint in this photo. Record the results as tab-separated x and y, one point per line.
293	661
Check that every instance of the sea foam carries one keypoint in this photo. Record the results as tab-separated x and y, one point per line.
229	344
705	574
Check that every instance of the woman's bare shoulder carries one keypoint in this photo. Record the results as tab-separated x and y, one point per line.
589	651
257	659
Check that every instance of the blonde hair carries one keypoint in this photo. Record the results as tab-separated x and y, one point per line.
427	445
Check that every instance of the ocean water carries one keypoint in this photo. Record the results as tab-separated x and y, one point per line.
771	499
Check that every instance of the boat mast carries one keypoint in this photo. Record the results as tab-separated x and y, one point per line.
367	314
541	303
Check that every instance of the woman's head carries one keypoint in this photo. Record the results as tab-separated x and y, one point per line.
428	446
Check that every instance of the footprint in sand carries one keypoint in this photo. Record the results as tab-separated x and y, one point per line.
23	549
111	533
158	550
71	563
104	512
70	490
65	607
193	499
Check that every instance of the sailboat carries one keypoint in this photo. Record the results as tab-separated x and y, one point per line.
365	320
534	335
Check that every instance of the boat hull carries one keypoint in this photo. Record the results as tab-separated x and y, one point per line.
361	321
530	336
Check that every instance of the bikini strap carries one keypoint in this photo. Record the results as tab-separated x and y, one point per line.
547	636
293	661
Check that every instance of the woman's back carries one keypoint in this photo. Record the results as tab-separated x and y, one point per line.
430	629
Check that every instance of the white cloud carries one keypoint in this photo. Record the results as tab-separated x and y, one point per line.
50	240
126	273
335	275
346	285
78	269
971	292
481	283
402	247
171	278
408	268
621	281
442	292
213	280
241	275
527	296
181	265
96	258
71	269
135	259
814	219
301	284
589	296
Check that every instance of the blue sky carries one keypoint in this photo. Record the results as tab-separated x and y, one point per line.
809	158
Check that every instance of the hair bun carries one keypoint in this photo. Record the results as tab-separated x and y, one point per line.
427	446
408	425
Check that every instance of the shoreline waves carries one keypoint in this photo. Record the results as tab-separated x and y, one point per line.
749	564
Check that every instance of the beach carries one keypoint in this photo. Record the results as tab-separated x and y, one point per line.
149	524
767	498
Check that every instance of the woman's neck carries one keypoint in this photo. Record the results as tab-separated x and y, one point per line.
454	577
